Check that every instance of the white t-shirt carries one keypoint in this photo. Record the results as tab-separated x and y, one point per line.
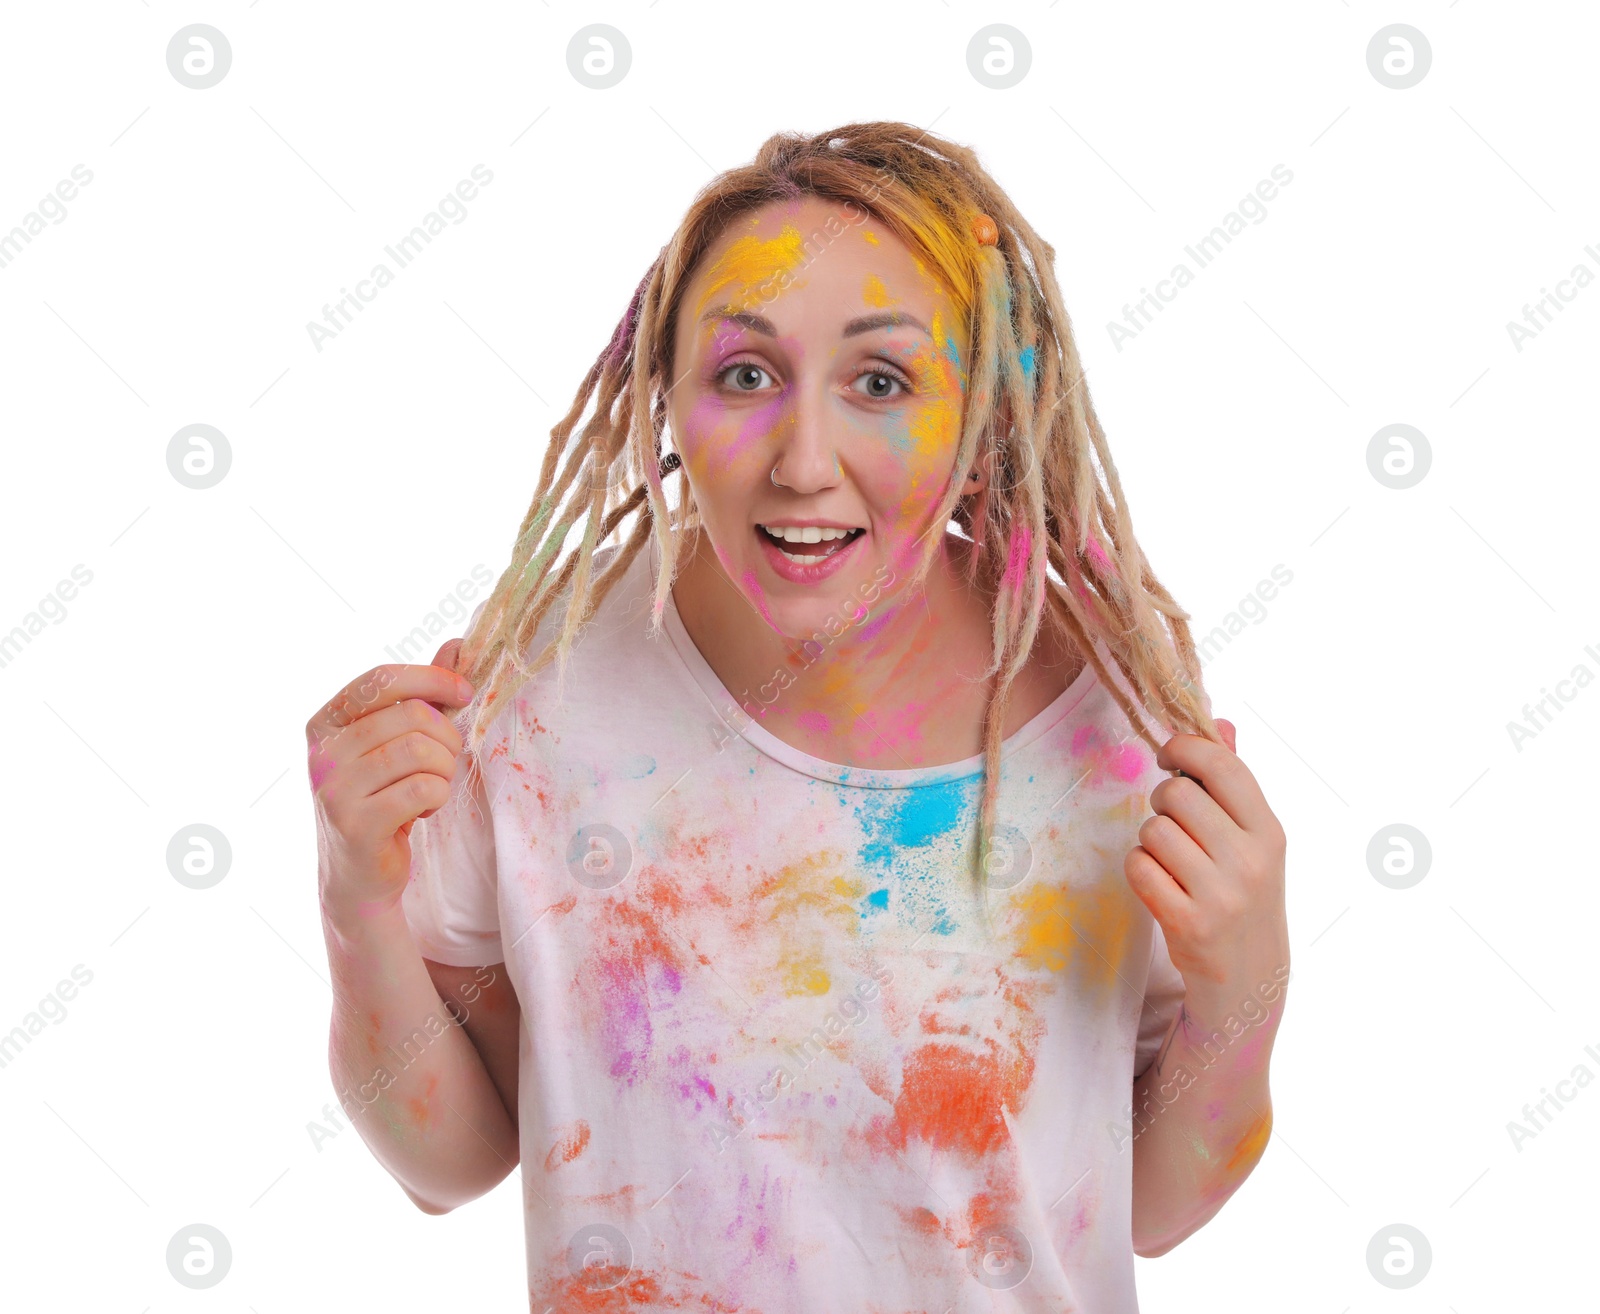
772	1057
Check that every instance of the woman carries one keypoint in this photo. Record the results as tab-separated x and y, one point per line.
824	924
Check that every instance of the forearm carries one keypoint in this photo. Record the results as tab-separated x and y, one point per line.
406	1073
1201	1118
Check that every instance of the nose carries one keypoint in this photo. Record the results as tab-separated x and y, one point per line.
804	456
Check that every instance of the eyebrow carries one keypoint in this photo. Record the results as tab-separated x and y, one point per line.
864	324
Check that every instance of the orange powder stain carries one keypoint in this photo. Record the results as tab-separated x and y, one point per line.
421	1107
572	1141
935	1023
987	1212
1086	929
1251	1147
639	930
579	1293
951	1098
921	1220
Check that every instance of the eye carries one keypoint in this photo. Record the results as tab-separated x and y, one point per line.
741	371
881	378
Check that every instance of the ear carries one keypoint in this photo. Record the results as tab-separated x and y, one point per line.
976	478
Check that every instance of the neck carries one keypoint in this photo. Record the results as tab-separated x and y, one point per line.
870	693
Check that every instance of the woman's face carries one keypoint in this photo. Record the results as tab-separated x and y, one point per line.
841	365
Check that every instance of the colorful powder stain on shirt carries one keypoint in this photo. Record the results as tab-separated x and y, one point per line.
1062	926
571	1141
1100	756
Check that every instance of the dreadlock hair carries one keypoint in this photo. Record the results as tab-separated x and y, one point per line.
1051	531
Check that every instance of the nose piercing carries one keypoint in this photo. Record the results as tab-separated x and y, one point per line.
775	482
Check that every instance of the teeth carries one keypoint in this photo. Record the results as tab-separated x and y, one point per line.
808	534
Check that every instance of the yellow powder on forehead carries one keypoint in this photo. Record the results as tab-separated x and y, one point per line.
870	236
873	292
752	263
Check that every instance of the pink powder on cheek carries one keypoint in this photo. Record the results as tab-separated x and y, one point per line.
752	588
758	425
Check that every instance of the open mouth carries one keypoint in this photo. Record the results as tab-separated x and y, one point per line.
808	544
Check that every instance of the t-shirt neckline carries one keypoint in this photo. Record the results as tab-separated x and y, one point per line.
759	737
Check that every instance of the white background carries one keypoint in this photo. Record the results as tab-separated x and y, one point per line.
368	478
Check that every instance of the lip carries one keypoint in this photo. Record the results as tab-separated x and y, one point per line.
793	571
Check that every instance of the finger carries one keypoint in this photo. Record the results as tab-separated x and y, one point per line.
1166	841
347	744
1167	901
448	655
1227	729
1223	775
411	754
383	686
1188	804
406	801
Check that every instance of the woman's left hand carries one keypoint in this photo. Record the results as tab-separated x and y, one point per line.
1210	868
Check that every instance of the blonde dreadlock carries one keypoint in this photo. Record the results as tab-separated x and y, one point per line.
1051	529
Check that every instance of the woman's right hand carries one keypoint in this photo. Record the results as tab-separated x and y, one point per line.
381	753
